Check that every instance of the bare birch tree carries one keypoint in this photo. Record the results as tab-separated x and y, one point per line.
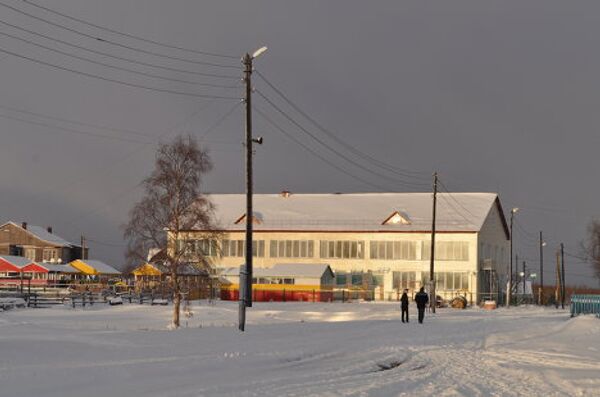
173	203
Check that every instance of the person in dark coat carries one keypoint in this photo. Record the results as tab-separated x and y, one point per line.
404	305
422	299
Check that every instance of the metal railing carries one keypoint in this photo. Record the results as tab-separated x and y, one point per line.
585	304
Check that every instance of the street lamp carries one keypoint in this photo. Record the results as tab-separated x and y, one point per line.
541	288
246	297
510	273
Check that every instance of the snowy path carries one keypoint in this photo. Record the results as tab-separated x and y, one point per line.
297	349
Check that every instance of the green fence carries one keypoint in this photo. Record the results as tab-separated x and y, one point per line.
585	304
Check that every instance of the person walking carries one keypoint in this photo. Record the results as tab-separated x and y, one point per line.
404	305
422	300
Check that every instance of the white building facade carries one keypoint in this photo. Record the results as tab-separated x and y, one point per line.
384	235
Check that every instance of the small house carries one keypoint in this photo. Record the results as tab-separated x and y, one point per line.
283	282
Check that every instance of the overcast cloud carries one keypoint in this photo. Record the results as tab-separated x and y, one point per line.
496	96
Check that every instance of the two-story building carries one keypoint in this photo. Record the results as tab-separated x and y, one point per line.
39	244
385	235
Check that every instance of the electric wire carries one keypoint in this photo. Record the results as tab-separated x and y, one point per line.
129	60
114	43
74	131
314	153
116	67
364	156
163	90
128	34
332	149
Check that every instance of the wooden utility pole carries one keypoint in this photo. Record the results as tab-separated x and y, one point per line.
245	292
557	289
541	288
432	296
245	297
83	247
563	291
524	279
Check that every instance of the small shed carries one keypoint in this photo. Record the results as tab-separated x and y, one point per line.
95	268
17	266
194	280
284	282
59	273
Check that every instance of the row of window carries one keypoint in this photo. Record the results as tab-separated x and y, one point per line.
292	249
444	281
273	280
237	248
342	249
328	249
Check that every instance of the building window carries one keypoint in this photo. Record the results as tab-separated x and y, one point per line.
291	248
274	280
237	248
50	254
404	280
203	247
30	253
389	250
342	249
448	281
447	250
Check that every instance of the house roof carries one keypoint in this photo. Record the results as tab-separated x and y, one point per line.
309	270
157	268
92	266
18	261
43	234
55	268
456	212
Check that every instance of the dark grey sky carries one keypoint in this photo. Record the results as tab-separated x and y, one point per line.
496	96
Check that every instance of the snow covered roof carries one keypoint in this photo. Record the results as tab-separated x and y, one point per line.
358	211
18	261
43	234
55	268
99	266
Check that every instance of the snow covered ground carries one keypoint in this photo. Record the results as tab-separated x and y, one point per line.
297	349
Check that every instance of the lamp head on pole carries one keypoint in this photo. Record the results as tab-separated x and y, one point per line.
259	52
514	210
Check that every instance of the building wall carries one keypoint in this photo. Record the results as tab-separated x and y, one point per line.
33	248
494	246
382	267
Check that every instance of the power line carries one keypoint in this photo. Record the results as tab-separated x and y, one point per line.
133	61
114	43
332	149
455	200
127	34
190	94
116	67
63	120
219	121
364	156
74	131
314	153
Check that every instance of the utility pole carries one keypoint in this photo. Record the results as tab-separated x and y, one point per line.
83	247
557	289
510	272
541	288
245	294
562	281
432	299
247	61
524	277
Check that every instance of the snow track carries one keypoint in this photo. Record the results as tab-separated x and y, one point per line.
297	349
